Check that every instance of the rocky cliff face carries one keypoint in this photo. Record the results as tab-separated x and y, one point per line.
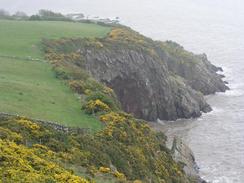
143	84
198	72
152	80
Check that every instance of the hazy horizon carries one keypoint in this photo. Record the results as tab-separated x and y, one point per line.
93	6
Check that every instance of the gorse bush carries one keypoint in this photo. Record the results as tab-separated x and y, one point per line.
105	98
22	164
127	149
94	106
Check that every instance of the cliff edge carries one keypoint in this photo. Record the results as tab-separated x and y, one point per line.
152	79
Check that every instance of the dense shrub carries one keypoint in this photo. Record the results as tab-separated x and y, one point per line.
105	98
35	18
126	149
22	164
94	106
49	16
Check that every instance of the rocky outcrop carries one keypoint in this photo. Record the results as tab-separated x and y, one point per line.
180	151
152	80
184	155
198	72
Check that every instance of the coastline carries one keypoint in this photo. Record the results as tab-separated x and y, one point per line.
181	151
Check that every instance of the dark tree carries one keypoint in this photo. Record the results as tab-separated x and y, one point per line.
35	17
52	16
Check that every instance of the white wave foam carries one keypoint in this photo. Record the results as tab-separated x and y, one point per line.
233	93
227	71
215	110
223	179
236	85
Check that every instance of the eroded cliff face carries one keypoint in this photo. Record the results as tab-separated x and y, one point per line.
197	70
143	84
152	80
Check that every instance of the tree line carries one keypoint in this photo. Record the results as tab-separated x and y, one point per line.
41	15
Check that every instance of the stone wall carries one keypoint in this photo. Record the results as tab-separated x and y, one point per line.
54	125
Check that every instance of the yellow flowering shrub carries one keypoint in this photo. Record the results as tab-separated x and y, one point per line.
28	124
108	131
108	90
53	156
94	106
22	164
42	147
73	56
127	35
8	134
98	44
119	175
112	117
77	86
117	33
104	169
92	170
137	181
66	177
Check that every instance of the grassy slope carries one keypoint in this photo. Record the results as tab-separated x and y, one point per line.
22	38
30	88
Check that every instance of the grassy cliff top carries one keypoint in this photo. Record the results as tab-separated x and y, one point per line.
23	38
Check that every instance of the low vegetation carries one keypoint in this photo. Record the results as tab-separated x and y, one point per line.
126	150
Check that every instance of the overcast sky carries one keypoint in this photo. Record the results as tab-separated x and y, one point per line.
65	6
32	6
107	7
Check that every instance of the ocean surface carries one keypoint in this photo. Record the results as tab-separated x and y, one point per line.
215	27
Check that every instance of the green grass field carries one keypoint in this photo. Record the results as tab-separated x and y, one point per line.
30	88
23	38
